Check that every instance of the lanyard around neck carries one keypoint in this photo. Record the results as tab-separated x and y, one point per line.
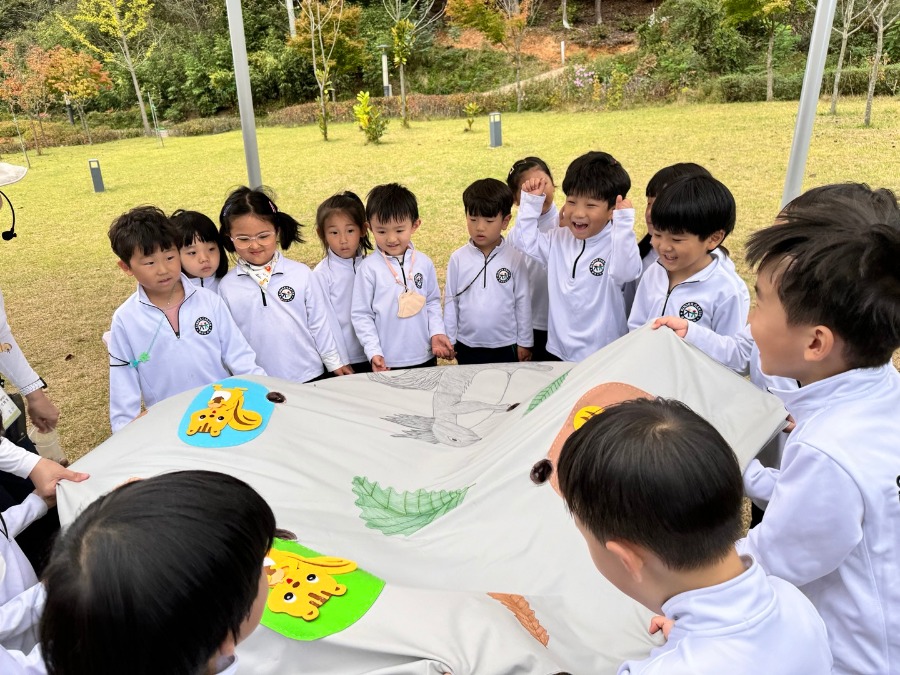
400	280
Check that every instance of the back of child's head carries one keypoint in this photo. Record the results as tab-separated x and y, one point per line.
142	231
193	227
698	205
351	205
881	202
597	175
670	173
833	262
391	201
488	198
258	202
656	474
155	576
521	167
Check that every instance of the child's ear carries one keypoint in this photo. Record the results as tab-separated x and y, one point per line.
629	557
713	240
416	223
506	220
821	343
125	268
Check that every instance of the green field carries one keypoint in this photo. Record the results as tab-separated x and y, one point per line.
60	279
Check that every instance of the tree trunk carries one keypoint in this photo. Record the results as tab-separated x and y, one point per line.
519	77
565	15
323	122
873	75
770	75
84	125
404	117
19	134
37	141
835	92
599	18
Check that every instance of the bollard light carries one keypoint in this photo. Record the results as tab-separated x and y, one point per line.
96	176
496	133
385	83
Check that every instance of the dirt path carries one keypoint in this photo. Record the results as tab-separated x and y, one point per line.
536	78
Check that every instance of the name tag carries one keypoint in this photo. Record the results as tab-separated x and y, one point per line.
9	411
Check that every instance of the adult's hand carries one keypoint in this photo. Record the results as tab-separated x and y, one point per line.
46	475
44	415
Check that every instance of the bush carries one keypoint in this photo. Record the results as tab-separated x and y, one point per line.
369	118
205	125
58	134
854	81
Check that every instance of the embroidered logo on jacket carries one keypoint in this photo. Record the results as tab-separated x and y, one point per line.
597	266
418	279
503	275
286	293
203	326
691	311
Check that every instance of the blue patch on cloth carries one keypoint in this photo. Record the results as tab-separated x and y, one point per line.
225	414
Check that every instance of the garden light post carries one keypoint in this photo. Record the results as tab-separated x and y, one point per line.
245	95
495	129
809	98
384	72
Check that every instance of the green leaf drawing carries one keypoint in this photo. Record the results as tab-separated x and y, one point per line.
403	513
546	392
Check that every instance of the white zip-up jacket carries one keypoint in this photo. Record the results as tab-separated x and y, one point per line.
337	276
402	342
749	625
487	299
209	283
288	323
19	574
832	527
715	297
585	279
537	272
13	363
207	347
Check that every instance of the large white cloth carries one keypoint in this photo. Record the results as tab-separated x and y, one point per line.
537	272
287	323
751	624
715	297
207	347
832	526
401	341
337	276
487	298
444	431
585	278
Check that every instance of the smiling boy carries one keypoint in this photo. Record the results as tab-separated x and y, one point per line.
396	308
589	259
169	336
487	298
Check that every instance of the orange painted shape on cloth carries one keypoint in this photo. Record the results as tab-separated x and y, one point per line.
522	610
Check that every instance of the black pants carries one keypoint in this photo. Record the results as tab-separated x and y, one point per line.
430	363
362	367
539	351
466	355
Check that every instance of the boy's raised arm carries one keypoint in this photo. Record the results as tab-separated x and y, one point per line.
526	236
625	259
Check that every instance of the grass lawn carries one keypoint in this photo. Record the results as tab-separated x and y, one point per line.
60	279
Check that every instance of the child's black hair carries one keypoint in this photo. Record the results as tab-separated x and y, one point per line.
833	262
259	202
488	198
660	179
391	201
656	474
882	202
698	205
596	175
154	576
143	230
349	203
195	226
522	166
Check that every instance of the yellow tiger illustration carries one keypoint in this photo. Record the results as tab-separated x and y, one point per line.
225	408
299	585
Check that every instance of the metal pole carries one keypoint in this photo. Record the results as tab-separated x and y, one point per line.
562	51
385	83
809	98
291	20
245	96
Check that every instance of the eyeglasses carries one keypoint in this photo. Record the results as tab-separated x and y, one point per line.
244	241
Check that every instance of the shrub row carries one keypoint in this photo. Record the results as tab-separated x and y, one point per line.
854	81
57	134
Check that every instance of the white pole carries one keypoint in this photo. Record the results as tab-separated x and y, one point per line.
562	51
245	96
384	74
809	98
291	20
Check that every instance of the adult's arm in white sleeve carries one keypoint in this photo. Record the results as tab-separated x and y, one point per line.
13	363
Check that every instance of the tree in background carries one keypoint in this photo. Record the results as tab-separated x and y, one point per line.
11	87
882	14
503	22
769	13
118	33
24	85
78	77
851	21
403	33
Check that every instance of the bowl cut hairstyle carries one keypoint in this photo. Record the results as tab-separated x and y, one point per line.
260	203
656	474
835	263
881	203
698	205
596	175
346	202
391	201
667	174
195	225
488	198
144	230
152	577
522	166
